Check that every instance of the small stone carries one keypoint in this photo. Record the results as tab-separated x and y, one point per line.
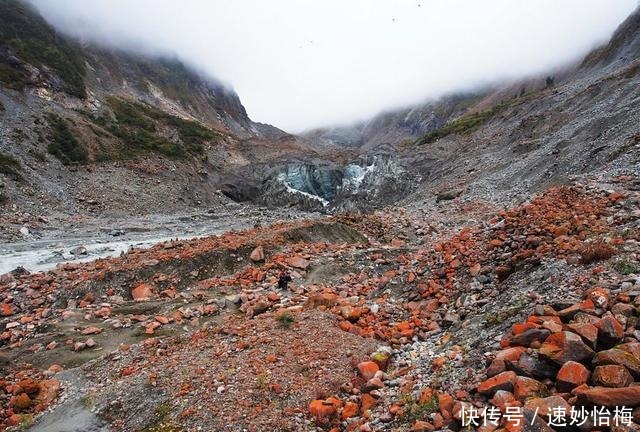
22	402
142	292
257	254
373	384
91	331
79	346
368	369
80	250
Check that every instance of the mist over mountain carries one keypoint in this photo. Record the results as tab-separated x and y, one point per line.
459	228
304	65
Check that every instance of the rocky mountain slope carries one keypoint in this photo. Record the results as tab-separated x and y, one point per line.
493	286
514	138
88	131
130	122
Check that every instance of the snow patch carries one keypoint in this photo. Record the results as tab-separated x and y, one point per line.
354	175
282	178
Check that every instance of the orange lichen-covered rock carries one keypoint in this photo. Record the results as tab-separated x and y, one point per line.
257	254
324	409
350	410
610	397
565	346
141	292
22	402
545	407
571	375
611	376
6	309
298	262
367	402
29	386
502	381
368	369
525	388
510	354
619	357
610	331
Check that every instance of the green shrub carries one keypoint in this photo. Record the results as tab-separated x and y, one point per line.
625	266
62	143
9	164
415	410
130	114
462	125
136	125
285	319
13	78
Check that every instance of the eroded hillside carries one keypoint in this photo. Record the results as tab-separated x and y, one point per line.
482	253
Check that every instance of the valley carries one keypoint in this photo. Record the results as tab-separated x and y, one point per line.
480	251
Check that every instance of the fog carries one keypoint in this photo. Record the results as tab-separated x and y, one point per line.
302	64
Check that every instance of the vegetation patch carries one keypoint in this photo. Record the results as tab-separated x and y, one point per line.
448	195
468	123
138	126
625	266
285	320
462	125
493	319
9	164
29	36
62	142
418	409
163	422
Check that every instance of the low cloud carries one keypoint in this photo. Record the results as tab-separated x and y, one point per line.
301	64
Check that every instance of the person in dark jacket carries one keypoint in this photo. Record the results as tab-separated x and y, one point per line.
283	280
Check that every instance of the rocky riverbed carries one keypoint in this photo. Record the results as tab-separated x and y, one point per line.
42	246
396	320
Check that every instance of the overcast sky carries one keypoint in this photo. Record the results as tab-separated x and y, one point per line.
301	64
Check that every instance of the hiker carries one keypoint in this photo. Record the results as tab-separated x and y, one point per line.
283	280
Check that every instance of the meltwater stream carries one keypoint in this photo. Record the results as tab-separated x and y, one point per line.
100	242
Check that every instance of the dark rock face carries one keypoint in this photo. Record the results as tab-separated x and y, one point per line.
624	44
311	179
356	186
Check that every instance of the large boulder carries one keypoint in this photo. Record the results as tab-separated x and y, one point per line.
609	397
620	357
502	381
611	376
571	375
257	255
566	346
